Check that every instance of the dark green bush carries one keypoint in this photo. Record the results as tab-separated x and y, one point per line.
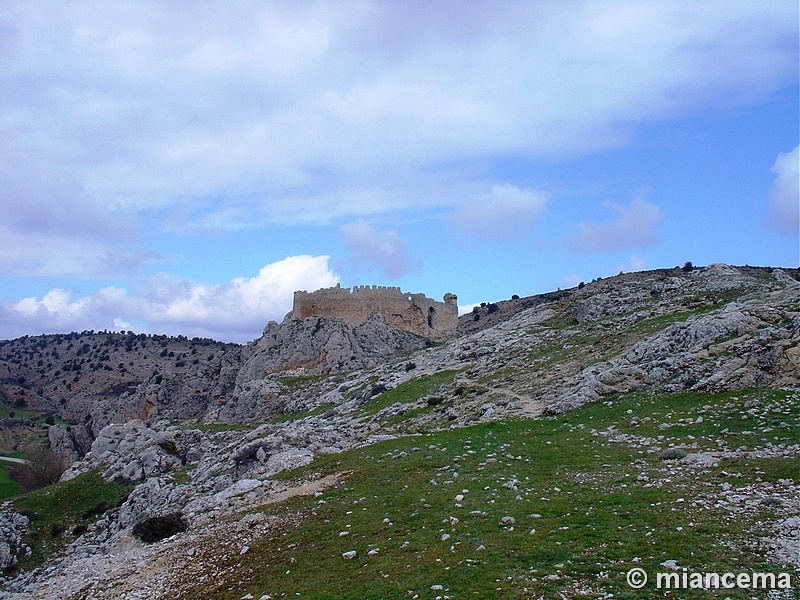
673	454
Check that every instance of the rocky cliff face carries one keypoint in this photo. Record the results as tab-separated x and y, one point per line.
321	386
317	345
310	347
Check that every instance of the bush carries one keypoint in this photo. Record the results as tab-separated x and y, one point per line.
43	468
156	529
673	454
688	266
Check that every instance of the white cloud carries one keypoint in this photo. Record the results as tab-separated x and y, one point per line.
634	226
233	311
784	195
507	211
271	105
385	249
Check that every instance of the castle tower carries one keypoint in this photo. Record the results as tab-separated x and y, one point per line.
415	313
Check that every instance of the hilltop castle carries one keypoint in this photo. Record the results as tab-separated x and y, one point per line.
415	313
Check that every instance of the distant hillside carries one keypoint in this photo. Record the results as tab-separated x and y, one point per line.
553	443
80	376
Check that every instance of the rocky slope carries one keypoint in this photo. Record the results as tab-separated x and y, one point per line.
215	438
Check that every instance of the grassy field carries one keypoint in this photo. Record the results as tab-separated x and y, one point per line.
536	509
7	411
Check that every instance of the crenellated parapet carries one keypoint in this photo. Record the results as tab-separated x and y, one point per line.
415	313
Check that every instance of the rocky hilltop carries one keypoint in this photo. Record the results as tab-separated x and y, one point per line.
205	434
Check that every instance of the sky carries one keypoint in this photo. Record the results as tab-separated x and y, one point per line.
183	167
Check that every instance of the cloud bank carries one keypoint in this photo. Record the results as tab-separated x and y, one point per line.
275	110
232	311
128	126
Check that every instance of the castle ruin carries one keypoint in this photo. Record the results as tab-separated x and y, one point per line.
415	313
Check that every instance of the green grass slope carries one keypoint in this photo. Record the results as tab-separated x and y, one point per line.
549	508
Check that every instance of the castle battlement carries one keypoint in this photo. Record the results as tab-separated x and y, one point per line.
415	313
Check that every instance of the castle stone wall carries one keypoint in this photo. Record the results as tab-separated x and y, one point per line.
415	313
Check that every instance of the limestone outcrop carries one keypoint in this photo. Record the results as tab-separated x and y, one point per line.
316	345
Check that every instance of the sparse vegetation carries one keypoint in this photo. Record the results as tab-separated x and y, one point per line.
410	390
427	511
61	508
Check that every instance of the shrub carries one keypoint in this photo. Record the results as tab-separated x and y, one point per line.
96	510
156	529
43	467
688	266
673	454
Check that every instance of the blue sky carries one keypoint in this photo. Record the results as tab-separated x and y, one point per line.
184	167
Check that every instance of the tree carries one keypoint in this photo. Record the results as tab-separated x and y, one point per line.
42	467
